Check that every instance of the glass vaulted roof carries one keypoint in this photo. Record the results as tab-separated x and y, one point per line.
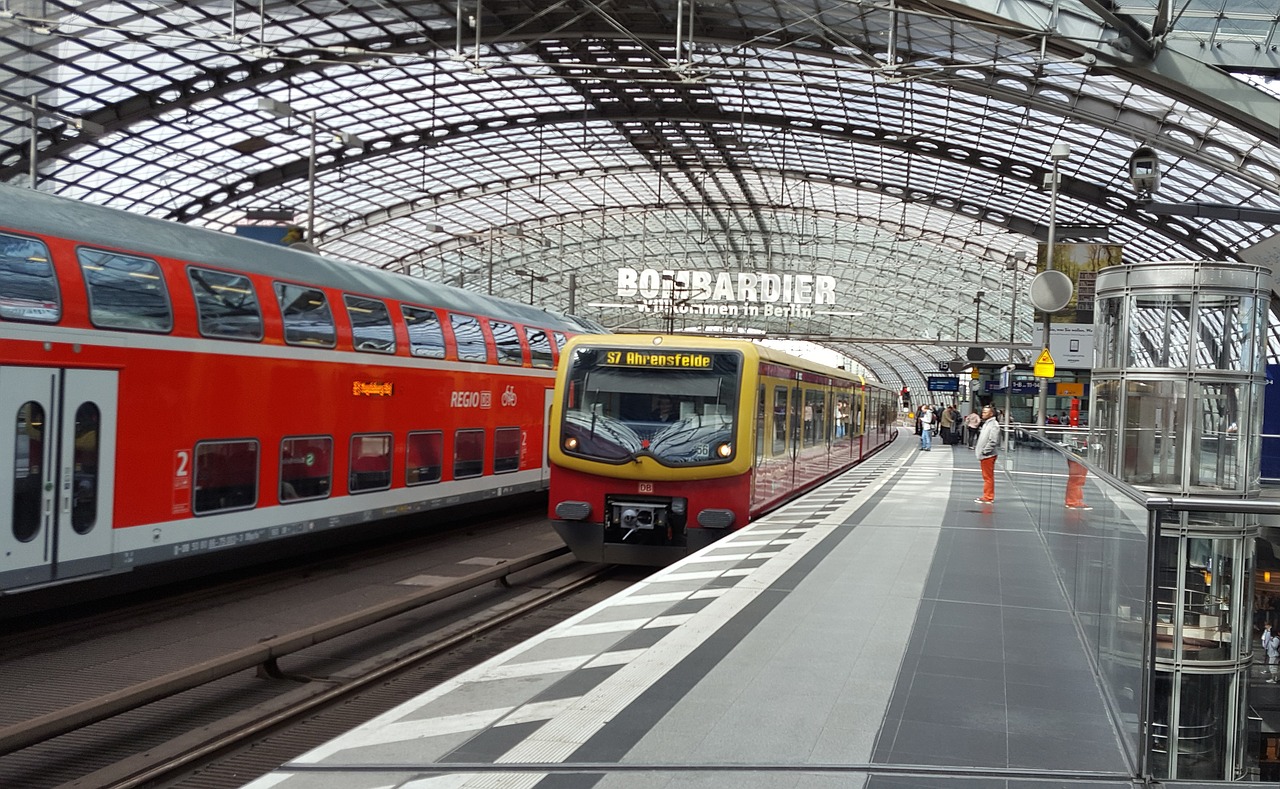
535	148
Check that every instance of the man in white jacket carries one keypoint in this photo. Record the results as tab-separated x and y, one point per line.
986	447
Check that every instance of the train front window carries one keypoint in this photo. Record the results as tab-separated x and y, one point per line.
677	406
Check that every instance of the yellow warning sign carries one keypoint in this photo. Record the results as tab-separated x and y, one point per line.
1044	365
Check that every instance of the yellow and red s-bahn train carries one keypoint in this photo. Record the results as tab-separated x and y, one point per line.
169	392
662	444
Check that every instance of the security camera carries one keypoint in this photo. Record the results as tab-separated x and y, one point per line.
1144	171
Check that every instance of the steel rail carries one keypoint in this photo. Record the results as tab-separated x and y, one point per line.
240	734
36	730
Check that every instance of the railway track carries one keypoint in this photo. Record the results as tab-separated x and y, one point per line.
193	720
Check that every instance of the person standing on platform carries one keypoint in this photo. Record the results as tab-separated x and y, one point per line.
926	428
971	424
986	448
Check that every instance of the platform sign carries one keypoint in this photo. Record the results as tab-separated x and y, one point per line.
1044	365
939	383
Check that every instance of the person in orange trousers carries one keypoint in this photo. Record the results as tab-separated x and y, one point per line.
1076	473
986	448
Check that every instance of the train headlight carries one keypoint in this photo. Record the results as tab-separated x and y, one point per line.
724	450
571	443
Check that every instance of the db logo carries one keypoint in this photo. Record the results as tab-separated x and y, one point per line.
509	396
644	487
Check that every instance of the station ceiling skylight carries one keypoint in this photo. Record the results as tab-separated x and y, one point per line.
535	149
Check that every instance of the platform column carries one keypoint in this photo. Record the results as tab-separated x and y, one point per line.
1176	410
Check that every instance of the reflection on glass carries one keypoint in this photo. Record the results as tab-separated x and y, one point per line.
1159	331
125	291
370	463
28	288
306	468
370	325
306	316
84	485
226	304
1154	433
28	471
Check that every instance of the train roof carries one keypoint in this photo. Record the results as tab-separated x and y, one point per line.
748	347
31	211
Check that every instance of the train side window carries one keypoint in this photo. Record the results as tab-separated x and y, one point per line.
815	417
507	341
560	341
425	457
468	453
125	291
469	338
226	303
539	347
426	337
28	473
779	421
84	490
370	325
370	462
226	476
306	315
28	287
306	468
506	450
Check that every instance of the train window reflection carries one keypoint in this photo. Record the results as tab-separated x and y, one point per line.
426	337
624	403
306	315
226	476
468	453
425	457
469	338
506	450
507	341
84	490
28	287
28	471
125	291
370	462
539	347
306	468
226	304
370	325
560	340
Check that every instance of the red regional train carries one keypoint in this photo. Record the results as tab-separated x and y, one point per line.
661	444
170	392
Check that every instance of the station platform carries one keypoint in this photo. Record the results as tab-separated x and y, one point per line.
883	631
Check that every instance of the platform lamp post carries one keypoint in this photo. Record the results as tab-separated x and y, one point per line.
282	110
1057	152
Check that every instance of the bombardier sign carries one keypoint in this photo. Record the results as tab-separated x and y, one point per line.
727	293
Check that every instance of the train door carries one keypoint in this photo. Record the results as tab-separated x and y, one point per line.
547	398
57	456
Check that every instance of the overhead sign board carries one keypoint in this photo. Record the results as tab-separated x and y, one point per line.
939	383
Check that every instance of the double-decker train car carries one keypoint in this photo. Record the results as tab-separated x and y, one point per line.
661	444
168	391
